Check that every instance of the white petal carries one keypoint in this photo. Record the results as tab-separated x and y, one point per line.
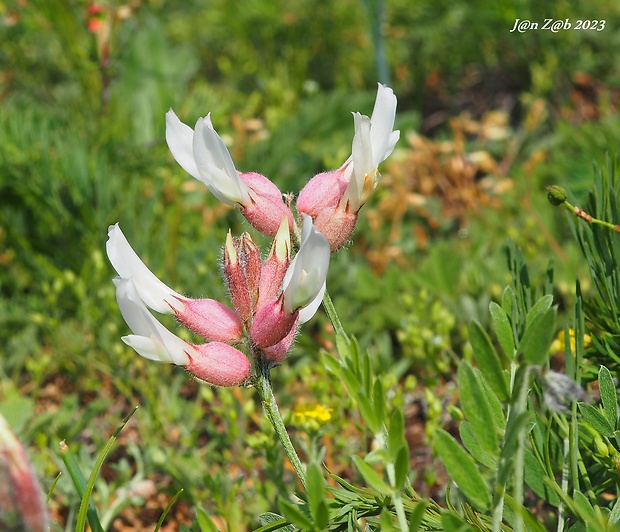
305	276
361	154
382	137
150	339
306	313
179	137
215	166
127	264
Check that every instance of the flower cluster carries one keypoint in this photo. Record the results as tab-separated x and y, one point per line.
272	297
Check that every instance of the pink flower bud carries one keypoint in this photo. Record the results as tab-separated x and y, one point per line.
277	352
22	506
322	191
271	324
333	199
242	266
337	225
216	363
304	283
274	268
266	207
219	364
211	319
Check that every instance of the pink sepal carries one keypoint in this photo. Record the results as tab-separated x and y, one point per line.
271	324
322	191
337	225
219	364
211	320
277	353
266	208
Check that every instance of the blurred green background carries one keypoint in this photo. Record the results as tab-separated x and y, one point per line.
488	118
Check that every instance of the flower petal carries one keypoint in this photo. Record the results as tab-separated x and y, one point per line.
215	165
382	138
150	339
305	276
179	137
127	264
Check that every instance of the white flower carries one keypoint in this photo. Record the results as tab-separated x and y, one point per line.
202	154
150	339
304	282
127	264
373	142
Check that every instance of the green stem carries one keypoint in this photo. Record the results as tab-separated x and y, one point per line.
330	310
262	383
557	196
519	460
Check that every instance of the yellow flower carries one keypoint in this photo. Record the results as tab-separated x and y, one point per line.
559	344
312	414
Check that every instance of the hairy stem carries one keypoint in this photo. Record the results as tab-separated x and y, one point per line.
262	383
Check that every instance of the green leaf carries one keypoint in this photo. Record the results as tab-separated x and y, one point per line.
350	381
508	300
204	521
609	396
378	401
316	495
332	364
535	479
368	413
417	516
531	523
540	307
614	516
503	329
343	346
497	413
461	467
453	523
596	419
583	507
472	444
271	521
401	467
294	515
488	361
476	408
538	337
396	433
371	477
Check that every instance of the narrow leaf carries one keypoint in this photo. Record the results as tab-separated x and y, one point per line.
371	477
401	467
596	419
537	338
609	396
488	361
294	515
503	329
472	444
535	479
417	516
461	467
315	490
476	409
540	307
396	433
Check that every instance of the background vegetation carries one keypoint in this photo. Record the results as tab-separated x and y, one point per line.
488	118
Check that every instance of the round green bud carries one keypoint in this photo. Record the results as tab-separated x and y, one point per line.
556	195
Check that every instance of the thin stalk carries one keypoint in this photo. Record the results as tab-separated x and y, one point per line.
262	383
519	460
557	196
500	488
330	310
